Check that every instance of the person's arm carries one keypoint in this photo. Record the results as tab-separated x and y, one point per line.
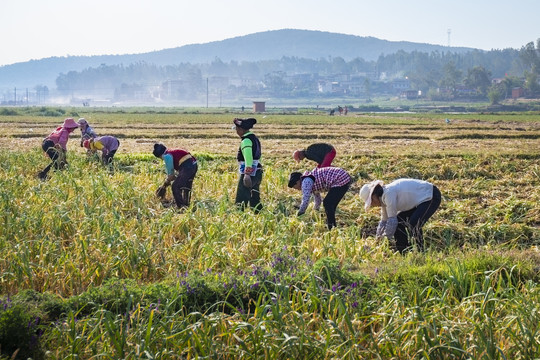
391	226
389	213
246	147
318	201
169	167
307	187
91	132
63	139
380	229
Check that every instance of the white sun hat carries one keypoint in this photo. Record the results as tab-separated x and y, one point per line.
367	190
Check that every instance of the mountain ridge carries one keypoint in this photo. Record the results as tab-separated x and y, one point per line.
267	45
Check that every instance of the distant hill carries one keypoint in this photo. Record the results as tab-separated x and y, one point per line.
267	45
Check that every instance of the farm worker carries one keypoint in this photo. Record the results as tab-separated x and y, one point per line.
334	180
55	146
87	132
106	144
249	166
321	153
406	205
185	166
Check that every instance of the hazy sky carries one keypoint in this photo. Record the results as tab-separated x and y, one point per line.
36	29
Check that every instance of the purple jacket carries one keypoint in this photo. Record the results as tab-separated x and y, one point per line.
106	143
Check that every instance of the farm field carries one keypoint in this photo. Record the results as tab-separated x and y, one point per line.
94	266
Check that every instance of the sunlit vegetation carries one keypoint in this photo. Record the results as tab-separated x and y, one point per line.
92	265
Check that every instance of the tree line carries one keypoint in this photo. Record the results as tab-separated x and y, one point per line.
425	72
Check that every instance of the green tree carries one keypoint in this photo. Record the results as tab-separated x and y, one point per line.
531	83
530	56
218	67
479	79
452	76
339	66
494	95
508	84
367	88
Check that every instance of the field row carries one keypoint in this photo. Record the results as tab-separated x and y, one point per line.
94	262
88	224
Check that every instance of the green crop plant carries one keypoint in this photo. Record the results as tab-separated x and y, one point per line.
116	274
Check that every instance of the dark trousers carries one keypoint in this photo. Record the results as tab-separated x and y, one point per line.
107	159
331	201
182	185
410	222
245	195
57	156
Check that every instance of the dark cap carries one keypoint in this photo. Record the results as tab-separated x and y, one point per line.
293	178
245	124
159	149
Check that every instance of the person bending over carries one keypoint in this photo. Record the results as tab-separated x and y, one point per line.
333	180
406	205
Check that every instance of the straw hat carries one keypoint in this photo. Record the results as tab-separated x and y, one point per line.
69	123
367	190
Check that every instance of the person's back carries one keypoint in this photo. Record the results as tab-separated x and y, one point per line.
405	194
329	177
323	154
108	142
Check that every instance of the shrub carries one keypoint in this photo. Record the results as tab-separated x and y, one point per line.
8	112
330	272
47	306
20	331
115	295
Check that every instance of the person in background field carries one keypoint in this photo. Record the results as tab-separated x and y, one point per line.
250	168
186	167
55	146
87	132
406	205
106	144
323	154
334	180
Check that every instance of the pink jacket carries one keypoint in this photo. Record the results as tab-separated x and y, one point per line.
60	136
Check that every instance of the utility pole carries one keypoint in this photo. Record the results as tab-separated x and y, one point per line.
15	95
207	93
